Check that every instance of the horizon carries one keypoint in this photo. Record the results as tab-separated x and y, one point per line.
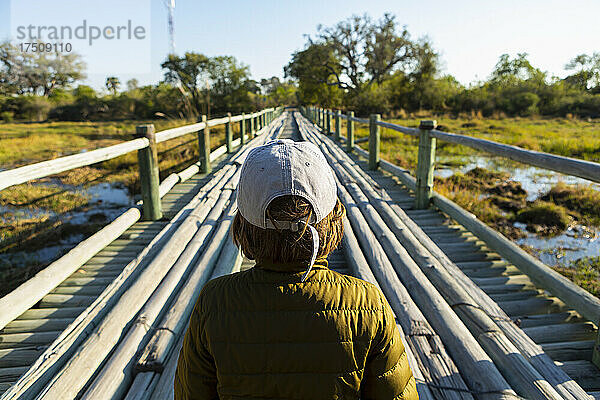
259	34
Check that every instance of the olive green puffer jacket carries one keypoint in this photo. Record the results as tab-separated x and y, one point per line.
264	334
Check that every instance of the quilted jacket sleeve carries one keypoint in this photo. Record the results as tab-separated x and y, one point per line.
387	373
195	377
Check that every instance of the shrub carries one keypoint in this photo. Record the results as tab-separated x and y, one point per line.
7	116
551	217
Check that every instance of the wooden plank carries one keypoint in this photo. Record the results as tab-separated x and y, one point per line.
16	340
583	371
19	357
59	300
535	305
501	289
37	325
88	290
11	374
562	332
41	313
85	281
569	351
529	321
520	295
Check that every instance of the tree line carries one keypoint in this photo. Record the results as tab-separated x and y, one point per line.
375	66
362	64
40	86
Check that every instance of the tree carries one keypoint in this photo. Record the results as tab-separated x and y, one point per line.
132	84
587	75
309	67
223	78
354	53
229	84
191	71
112	84
509	72
37	72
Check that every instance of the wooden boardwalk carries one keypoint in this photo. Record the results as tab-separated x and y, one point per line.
564	335
25	339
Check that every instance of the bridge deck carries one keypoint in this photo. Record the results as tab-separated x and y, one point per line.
564	335
562	332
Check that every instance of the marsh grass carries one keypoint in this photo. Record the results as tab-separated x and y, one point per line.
567	137
544	218
585	272
582	201
32	215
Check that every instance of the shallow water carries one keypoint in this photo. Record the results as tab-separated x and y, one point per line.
577	242
107	202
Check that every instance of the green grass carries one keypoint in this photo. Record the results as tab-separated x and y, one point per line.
32	217
544	217
582	201
585	272
567	137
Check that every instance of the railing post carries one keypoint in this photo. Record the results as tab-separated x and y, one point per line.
596	351
425	165
350	136
252	132
328	121
229	134
374	138
149	175
338	125
243	129
321	119
204	147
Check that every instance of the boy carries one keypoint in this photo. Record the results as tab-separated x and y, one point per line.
290	328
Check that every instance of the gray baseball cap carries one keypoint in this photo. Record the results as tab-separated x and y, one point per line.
284	167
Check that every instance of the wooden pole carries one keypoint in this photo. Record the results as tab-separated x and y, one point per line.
350	136
374	139
328	121
322	119
204	147
229	134
338	125
425	165
243	129
318	111
149	177
596	352
252	131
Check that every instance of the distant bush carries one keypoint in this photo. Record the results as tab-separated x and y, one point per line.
7	116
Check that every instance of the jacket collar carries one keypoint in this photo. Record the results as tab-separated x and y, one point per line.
320	263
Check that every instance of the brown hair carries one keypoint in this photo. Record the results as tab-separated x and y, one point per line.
283	245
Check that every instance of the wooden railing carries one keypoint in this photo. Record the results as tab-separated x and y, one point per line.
422	184
30	292
428	134
145	144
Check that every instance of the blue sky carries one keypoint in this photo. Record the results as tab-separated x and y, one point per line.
470	35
